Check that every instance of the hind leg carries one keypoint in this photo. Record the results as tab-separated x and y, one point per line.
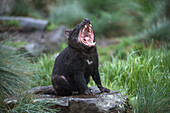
61	86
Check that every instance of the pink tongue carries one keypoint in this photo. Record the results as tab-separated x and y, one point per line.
87	38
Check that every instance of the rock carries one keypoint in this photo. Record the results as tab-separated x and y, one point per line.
55	38
35	49
32	31
113	102
28	23
45	41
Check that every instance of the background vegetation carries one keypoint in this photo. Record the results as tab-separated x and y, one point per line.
138	66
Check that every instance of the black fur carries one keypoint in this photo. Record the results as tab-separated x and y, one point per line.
71	71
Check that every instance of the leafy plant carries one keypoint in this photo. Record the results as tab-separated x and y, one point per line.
158	31
108	17
20	8
95	6
69	13
160	10
108	24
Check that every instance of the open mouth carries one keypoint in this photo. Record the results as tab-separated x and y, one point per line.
86	35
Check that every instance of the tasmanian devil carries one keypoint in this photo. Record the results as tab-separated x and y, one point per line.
77	62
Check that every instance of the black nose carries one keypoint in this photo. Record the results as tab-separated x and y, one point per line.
87	20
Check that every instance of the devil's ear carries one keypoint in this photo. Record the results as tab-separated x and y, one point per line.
67	32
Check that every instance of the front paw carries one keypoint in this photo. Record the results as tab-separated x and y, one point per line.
102	89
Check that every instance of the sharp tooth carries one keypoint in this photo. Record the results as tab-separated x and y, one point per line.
83	31
85	26
94	43
90	28
90	25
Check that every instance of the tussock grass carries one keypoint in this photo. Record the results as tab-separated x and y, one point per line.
158	31
14	70
143	66
28	104
143	76
152	98
16	74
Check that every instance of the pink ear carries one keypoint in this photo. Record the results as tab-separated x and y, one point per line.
67	32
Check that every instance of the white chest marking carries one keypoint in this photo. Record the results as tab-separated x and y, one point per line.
89	62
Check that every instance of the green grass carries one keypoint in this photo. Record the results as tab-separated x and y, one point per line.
30	106
140	66
14	70
9	23
143	76
16	73
27	104
138	73
51	27
117	50
44	67
16	44
152	98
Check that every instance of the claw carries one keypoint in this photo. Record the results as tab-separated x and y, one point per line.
88	92
104	90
